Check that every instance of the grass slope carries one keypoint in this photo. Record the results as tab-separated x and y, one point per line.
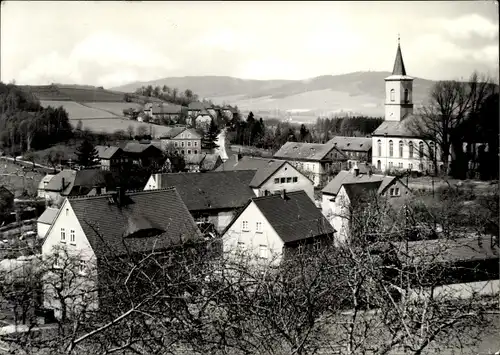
78	111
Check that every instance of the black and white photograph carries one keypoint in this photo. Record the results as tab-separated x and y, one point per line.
249	177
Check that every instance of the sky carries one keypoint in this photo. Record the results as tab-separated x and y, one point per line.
114	43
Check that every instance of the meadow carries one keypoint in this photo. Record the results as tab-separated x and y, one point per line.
78	111
115	108
111	125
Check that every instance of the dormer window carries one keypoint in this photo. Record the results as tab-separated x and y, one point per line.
407	96
393	95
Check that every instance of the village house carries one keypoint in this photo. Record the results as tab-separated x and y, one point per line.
42	184
271	176
319	162
228	112
143	154
86	182
396	142
202	162
203	119
159	112
356	149
270	226
195	107
111	158
44	222
212	197
97	229
186	141
353	186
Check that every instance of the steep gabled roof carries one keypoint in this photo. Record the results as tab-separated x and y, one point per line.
359	144
305	151
137	148
294	217
346	177
399	65
112	229
212	190
48	216
106	151
5	191
172	132
407	127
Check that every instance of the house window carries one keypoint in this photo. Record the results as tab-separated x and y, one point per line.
407	96
391	148
182	144
420	166
67	211
396	191
244	226
393	95
189	144
277	180
401	149
72	236
195	144
390	165
63	235
258	227
431	150
175	144
421	149
410	150
316	245
189	151
295	179
81	267
241	246
288	179
282	180
400	165
379	146
410	166
195	151
391	191
263	251
182	152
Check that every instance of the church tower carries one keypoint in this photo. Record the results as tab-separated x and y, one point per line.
398	91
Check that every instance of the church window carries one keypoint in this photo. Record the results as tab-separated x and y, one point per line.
400	149
410	150
379	145
421	149
379	165
393	95
407	96
431	151
391	148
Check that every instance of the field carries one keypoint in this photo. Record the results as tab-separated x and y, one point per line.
89	94
115	108
111	125
78	111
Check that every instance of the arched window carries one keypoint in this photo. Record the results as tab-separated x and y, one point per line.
407	96
400	149
379	146
421	149
431	151
393	95
379	165
391	148
410	150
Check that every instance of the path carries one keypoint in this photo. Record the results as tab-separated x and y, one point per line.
28	163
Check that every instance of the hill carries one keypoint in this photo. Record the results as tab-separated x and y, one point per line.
361	92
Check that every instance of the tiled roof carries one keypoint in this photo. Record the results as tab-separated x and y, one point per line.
55	184
346	177
351	143
173	132
399	65
106	151
404	128
159	109
80	182
44	180
359	192
110	228
463	249
134	147
212	190
48	215
304	151
294	218
196	105
208	161
5	191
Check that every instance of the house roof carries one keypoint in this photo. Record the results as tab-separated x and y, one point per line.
80	182
294	218
196	105
172	132
5	191
212	190
346	177
55	184
112	229
305	151
399	65
107	151
230	109
207	161
166	109
447	250
404	128
135	147
48	216
359	144
359	192
45	179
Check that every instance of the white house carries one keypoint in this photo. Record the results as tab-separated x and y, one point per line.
318	161
186	141
203	119
271	176
268	224
133	223
44	222
43	184
395	143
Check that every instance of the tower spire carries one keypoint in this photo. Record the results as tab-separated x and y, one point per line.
399	66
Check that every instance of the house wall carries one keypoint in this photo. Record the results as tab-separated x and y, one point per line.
313	170
340	215
80	250
186	143
397	192
384	162
152	183
251	239
42	229
287	172
219	219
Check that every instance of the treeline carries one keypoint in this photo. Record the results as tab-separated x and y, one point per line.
172	95
357	126
26	125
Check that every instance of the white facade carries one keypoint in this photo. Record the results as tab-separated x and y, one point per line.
289	179
336	211
385	159
398	97
313	170
67	239
152	183
252	234
42	229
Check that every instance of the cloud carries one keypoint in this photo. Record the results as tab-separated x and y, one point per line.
465	27
225	39
51	68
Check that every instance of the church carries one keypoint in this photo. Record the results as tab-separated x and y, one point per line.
395	145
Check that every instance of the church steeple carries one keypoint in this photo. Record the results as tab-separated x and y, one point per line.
399	65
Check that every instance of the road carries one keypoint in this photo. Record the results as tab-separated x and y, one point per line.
29	164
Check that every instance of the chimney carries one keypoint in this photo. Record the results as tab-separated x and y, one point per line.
63	185
119	196
283	194
356	169
370	172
